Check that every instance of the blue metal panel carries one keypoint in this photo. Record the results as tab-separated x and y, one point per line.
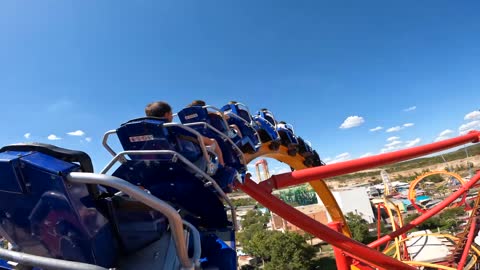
264	126
193	114
12	180
247	131
186	143
4	265
173	183
137	225
287	136
149	134
52	218
144	134
199	114
216	253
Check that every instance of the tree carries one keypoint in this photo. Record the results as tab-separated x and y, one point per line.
255	216
277	250
253	222
446	220
436	178
449	218
243	202
282	250
358	227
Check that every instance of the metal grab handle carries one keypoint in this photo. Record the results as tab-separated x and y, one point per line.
44	262
223	136
197	247
197	135
217	110
105	141
174	219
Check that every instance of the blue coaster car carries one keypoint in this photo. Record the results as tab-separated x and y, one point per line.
288	137
216	119
237	114
200	120
57	214
265	125
312	159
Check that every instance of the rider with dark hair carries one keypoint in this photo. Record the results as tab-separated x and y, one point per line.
197	102
159	109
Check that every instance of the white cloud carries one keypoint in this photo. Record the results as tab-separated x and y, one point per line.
327	159
76	133
441	138
376	129
412	142
27	135
343	155
392	144
410	109
393	129
340	157
352	121
388	149
469	126
408	124
394	138
366	154
445	132
444	135
53	137
88	139
472	115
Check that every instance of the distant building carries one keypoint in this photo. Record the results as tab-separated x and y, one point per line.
349	200
354	200
314	211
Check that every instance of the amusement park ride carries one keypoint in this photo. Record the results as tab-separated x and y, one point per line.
164	206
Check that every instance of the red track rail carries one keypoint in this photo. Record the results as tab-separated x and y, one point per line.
306	175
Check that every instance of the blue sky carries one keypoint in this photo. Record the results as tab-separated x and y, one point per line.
84	67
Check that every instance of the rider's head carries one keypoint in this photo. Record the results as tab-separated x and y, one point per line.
159	109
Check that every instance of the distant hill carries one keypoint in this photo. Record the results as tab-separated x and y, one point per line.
472	150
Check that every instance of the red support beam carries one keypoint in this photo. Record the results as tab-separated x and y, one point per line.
471	235
379	220
306	175
342	260
349	246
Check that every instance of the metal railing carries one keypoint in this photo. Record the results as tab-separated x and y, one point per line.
174	219
44	262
